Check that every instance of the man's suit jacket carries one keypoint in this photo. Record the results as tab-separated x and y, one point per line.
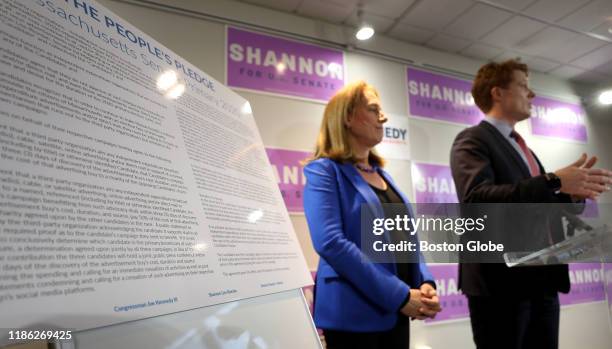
487	169
352	294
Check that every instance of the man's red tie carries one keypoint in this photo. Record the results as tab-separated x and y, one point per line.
534	169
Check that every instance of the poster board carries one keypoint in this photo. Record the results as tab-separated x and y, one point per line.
134	185
273	321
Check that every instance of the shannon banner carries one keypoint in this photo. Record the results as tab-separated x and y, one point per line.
453	302
270	64
433	183
587	285
556	119
289	173
440	97
587	280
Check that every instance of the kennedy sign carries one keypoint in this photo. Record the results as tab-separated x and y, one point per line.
395	143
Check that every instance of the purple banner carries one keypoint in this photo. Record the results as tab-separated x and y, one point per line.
269	64
453	302
289	175
552	118
439	97
587	281
433	183
591	210
608	285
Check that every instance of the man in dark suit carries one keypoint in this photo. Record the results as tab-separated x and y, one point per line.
513	307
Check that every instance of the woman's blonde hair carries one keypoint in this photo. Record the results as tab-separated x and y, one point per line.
332	141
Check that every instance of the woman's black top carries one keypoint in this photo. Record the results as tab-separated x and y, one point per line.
393	205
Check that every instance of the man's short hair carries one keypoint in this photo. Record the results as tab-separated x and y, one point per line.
491	75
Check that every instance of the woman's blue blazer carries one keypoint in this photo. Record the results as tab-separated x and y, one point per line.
351	293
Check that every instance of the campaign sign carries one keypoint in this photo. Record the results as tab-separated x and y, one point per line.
556	119
587	285
440	97
452	301
289	173
395	143
270	64
433	183
587	280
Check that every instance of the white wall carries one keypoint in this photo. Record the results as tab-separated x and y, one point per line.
293	124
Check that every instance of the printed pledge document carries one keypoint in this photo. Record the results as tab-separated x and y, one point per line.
132	183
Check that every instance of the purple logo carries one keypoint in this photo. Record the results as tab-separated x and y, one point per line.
439	97
433	184
289	174
552	118
270	64
587	280
453	302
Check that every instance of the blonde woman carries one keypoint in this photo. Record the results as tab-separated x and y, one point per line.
358	304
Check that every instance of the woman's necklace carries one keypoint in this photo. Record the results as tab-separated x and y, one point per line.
365	169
